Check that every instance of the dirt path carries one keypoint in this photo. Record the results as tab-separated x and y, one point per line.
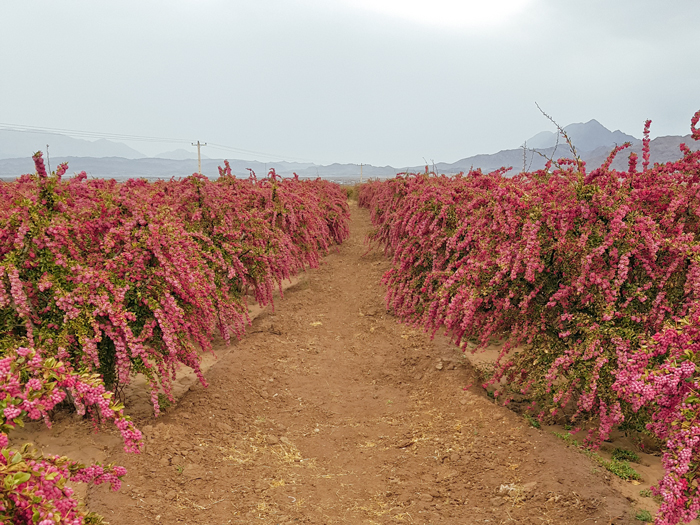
329	411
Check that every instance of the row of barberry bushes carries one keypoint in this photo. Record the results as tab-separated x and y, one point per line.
102	280
591	278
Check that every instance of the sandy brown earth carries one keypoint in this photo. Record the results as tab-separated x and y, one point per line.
330	411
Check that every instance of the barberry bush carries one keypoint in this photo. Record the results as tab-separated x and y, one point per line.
100	281
33	487
591	279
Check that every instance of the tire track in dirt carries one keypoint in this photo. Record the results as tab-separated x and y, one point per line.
329	411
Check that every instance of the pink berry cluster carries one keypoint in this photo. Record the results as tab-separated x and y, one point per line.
591	279
102	280
137	277
31	385
34	487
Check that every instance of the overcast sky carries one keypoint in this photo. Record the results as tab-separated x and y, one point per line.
372	81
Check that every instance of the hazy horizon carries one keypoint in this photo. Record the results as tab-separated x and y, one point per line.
350	81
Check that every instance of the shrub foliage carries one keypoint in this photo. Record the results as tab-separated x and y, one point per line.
100	281
592	278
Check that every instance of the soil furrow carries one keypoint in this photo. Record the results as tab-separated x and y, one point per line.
329	411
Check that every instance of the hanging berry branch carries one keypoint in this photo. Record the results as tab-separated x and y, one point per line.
592	279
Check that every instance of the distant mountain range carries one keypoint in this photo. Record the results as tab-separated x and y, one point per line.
16	144
179	154
663	149
585	137
104	158
593	143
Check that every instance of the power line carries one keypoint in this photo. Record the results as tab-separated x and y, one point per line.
93	134
239	150
137	138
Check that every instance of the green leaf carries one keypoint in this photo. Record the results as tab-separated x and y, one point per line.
21	477
16	458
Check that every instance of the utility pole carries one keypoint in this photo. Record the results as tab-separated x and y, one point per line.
48	159
199	155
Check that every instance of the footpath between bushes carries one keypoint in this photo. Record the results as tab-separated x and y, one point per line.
329	411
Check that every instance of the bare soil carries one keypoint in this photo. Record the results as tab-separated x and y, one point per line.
330	411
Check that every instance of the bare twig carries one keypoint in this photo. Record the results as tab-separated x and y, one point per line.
563	134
